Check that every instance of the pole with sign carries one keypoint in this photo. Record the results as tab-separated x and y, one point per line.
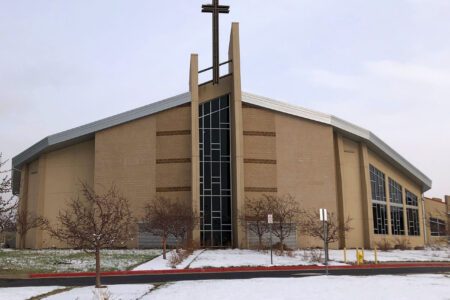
270	222
324	219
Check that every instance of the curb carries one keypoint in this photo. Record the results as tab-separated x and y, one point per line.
237	269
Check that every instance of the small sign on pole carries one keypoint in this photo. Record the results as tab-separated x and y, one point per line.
270	222
324	219
323	214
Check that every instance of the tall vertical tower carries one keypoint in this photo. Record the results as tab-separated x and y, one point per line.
217	144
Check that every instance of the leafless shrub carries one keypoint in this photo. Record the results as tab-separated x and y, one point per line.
286	214
164	217
25	221
95	222
313	255
254	219
290	253
278	248
8	203
402	244
384	245
184	220
311	225
177	258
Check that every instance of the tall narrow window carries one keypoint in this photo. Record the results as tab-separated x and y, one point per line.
396	202
379	208
412	213
215	173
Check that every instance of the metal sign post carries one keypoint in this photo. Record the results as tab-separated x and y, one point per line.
324	219
270	222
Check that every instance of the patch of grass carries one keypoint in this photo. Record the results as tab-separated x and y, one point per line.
16	262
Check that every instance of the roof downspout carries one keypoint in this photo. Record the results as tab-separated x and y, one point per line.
424	216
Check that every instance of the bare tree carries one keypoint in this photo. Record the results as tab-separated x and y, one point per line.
25	221
8	203
184	220
286	212
96	222
312	226
157	220
254	218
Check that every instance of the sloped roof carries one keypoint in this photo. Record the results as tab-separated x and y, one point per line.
88	131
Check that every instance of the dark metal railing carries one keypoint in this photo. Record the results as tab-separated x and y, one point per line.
210	68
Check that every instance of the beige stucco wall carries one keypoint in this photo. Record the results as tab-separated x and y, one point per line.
352	202
306	165
54	179
284	154
146	158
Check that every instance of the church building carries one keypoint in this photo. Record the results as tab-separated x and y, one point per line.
216	146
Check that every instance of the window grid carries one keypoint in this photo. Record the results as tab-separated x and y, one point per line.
437	227
377	181
395	192
379	207
215	173
397	220
380	222
411	199
413	221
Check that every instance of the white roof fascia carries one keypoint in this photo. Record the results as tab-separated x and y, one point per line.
373	141
91	128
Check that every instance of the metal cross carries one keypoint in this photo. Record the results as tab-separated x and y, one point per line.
216	9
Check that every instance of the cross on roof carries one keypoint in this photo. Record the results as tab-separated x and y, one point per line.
216	9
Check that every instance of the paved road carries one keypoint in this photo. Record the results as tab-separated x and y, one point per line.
159	278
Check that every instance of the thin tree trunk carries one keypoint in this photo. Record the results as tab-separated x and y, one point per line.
164	242
260	245
97	268
22	241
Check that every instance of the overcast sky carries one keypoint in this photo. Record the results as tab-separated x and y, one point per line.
383	65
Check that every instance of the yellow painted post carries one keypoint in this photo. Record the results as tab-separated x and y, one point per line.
362	258
345	255
375	255
357	256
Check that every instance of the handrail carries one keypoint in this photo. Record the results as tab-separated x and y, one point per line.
210	68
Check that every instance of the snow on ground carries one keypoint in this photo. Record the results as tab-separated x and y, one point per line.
158	263
434	287
241	258
394	255
122	292
20	293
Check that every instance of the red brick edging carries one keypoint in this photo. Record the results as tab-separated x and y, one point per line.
238	269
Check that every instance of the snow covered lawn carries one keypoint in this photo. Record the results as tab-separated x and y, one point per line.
434	287
394	255
19	293
42	261
244	258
